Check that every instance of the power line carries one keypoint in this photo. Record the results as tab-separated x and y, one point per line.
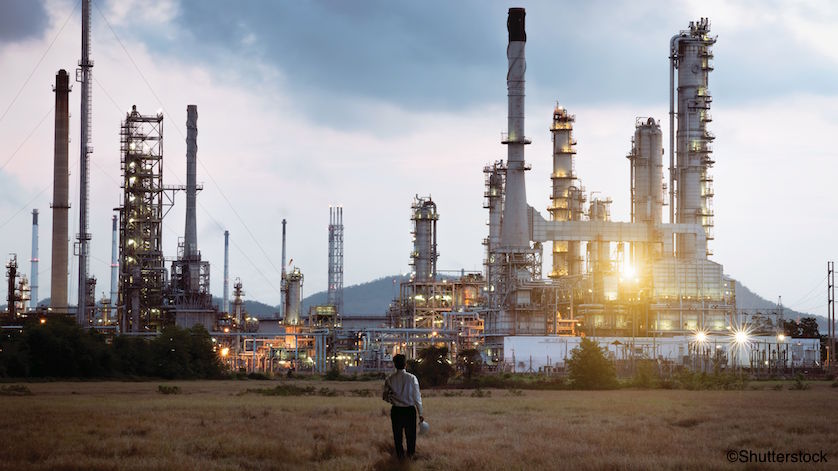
28	136
38	64
218	187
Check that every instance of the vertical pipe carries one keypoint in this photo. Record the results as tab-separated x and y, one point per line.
226	299
86	149
673	57
114	264
60	195
33	275
190	239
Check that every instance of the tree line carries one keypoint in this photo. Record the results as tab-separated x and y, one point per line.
59	348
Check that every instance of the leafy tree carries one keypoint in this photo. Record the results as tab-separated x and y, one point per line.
470	362
791	328
809	328
589	368
432	367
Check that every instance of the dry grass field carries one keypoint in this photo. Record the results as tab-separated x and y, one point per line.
211	425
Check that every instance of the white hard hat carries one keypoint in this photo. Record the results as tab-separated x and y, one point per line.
423	427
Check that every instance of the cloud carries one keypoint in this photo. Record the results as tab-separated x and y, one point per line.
22	19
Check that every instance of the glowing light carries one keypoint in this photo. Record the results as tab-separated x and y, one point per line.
43	321
225	352
781	337
740	337
700	337
627	271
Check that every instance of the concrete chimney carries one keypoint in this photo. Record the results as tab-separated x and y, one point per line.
515	229
33	274
60	194
190	239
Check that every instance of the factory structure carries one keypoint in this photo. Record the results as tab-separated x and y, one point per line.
644	288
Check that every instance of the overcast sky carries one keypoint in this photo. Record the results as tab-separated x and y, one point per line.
365	104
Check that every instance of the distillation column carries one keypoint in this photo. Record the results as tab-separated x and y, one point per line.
85	310
424	255
692	55
567	195
645	159
60	194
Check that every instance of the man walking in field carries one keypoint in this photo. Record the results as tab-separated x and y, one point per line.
402	390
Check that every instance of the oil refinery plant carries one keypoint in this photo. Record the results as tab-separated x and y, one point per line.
644	288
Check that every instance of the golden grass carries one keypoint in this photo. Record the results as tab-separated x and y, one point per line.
212	426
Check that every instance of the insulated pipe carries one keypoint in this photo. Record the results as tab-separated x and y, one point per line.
673	57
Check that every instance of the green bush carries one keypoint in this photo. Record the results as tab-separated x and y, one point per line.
162	389
431	367
588	368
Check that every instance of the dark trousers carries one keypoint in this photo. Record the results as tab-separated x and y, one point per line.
404	418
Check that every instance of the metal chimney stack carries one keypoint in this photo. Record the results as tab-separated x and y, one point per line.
226	299
190	239
114	266
60	194
282	290
33	274
515	229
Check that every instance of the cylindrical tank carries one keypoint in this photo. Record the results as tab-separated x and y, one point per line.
599	252
294	297
424	254
647	172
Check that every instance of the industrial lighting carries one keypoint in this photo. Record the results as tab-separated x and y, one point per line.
740	337
225	351
43	321
700	337
780	337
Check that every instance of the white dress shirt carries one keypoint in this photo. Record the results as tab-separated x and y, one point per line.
404	390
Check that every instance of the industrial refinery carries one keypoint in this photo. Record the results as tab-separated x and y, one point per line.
644	288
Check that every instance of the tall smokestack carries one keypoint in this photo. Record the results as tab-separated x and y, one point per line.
190	239
282	293
114	265
60	194
33	274
515	230
226	299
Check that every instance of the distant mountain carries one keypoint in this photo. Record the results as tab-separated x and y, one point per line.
372	297
748	300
